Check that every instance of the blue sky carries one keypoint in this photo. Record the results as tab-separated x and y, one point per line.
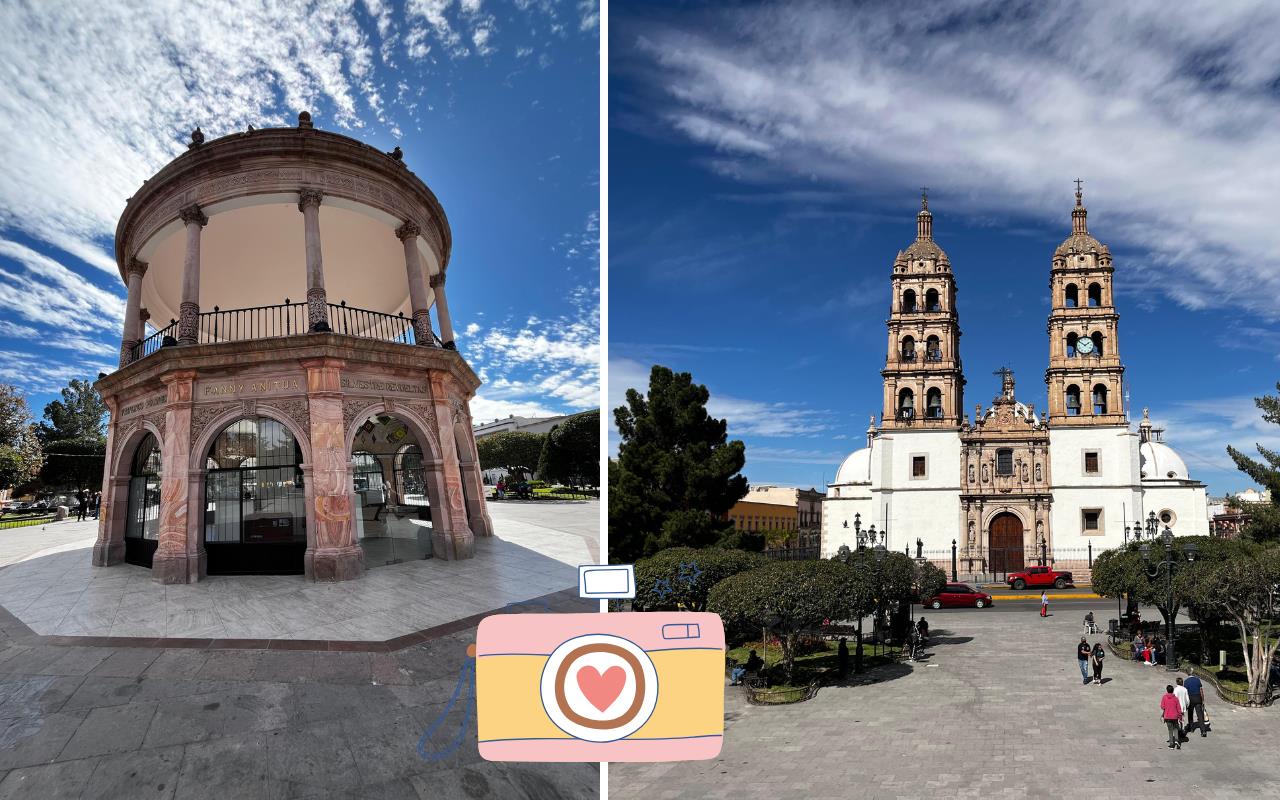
765	167
495	104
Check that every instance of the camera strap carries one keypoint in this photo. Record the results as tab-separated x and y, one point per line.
464	690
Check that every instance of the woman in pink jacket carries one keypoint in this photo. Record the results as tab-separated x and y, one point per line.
1171	713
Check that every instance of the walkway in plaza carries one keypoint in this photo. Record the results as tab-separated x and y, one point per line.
55	590
148	722
998	710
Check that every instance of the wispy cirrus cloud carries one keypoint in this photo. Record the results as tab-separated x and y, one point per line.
1169	118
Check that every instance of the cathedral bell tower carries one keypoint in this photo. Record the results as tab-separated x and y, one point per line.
923	381
1085	376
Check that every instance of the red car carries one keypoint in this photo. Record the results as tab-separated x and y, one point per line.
959	595
1040	576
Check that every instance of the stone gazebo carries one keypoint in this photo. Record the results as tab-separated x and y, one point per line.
290	409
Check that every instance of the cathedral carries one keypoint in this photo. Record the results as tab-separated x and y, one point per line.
1010	486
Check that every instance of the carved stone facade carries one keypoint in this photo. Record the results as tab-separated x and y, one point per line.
1005	459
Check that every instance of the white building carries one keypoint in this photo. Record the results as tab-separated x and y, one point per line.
1007	485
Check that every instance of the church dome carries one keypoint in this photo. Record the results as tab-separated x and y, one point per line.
924	247
1159	461
1080	240
856	468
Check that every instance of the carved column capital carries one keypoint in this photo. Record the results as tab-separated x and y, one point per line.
136	267
192	213
309	197
144	315
437	280
408	230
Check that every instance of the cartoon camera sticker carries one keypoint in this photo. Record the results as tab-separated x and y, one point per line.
600	687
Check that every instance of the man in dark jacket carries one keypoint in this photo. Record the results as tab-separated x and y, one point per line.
1082	653
1195	703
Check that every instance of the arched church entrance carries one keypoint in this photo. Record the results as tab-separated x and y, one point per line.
394	491
1006	543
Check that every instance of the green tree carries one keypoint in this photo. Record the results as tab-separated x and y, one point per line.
515	451
681	578
1195	585
74	463
1264	518
1245	589
571	451
79	415
677	473
1122	572
789	597
20	453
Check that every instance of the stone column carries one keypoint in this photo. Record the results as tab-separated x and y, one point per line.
473	481
317	301
132	335
171	563
408	234
189	312
108	549
334	555
455	540
442	309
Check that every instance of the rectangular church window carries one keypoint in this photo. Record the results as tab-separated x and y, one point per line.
1004	462
1092	520
917	467
1091	463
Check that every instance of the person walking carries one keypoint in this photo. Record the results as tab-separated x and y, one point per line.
1171	713
1082	655
82	505
1044	603
1098	654
1195	704
1181	693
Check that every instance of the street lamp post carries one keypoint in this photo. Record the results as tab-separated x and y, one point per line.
1169	563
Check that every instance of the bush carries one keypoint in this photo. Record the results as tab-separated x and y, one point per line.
682	577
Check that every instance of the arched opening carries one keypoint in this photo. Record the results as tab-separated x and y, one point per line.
906	404
142	521
1073	401
933	404
908	351
1071	344
1072	296
391	507
1095	295
909	301
932	349
1006	544
255	517
1099	399
1097	343
932	302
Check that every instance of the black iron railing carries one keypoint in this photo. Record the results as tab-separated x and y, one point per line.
285	319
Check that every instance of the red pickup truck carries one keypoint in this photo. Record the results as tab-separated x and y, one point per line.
1039	576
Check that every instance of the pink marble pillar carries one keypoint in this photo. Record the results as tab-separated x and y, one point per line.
332	551
172	563
455	539
189	310
472	480
133	325
109	547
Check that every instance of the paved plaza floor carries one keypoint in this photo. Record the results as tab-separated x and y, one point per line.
997	710
154	722
55	590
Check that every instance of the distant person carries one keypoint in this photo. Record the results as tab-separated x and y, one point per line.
1098	654
1137	648
1082	655
1088	622
501	488
1044	603
842	657
82	505
1195	704
1171	713
1181	693
97	504
923	627
754	663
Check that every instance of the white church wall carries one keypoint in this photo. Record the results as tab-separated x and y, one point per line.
926	507
1113	489
1188	505
838	511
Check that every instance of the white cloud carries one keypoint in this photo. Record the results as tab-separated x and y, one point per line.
1169	118
45	292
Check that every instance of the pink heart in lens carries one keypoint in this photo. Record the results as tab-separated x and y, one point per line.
601	689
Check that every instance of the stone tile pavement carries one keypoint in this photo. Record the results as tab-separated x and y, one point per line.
102	722
52	587
997	710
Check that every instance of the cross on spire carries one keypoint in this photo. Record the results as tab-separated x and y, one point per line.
1006	381
924	198
1079	193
